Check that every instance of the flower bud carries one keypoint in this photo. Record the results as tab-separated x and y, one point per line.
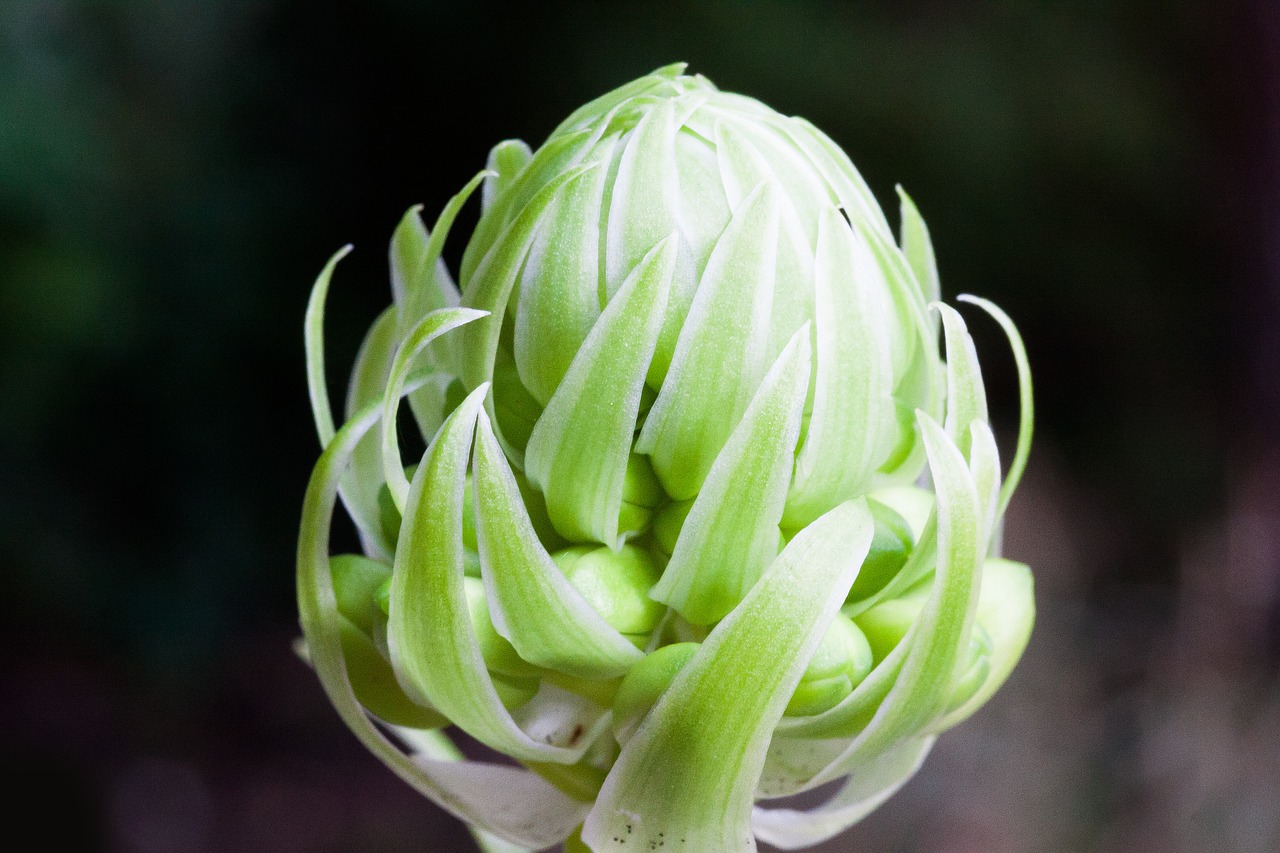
709	498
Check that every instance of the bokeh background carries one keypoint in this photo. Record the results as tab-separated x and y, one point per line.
173	173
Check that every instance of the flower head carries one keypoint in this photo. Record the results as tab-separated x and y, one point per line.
704	517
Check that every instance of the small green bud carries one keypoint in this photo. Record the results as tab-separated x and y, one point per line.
668	523
842	660
890	547
641	493
356	580
643	685
887	623
617	585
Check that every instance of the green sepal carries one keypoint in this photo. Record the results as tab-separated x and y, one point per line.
842	661
890	548
356	580
549	622
579	450
374	683
688	775
719	357
616	583
731	533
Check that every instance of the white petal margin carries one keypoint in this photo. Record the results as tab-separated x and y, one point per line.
513	804
862	793
531	602
434	650
686	779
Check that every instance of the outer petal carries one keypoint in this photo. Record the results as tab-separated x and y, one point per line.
860	794
686	779
719	359
532	603
433	647
731	533
577	453
515	804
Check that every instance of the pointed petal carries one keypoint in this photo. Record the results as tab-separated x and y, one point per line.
422	293
507	160
513	803
966	395
918	249
560	287
532	603
313	328
731	533
433	646
848	429
490	288
577	454
687	777
719	359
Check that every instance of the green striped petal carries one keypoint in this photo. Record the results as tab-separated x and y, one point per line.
490	289
533	605
559	297
718	360
514	804
363	481
731	533
577	454
433	646
687	777
938	643
850	423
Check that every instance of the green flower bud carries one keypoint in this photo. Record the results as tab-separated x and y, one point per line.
705	515
842	660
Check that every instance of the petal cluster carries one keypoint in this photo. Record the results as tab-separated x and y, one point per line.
705	517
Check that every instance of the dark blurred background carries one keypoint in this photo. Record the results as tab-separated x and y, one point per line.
173	173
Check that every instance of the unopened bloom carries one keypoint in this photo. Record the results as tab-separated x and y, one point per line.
704	517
